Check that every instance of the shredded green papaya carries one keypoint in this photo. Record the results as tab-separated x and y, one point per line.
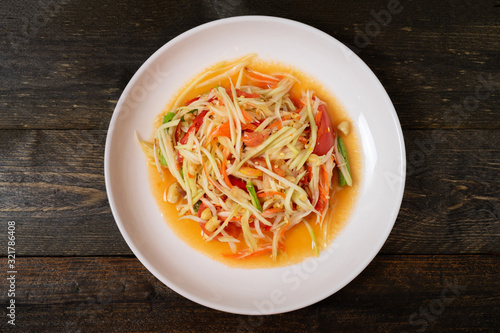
246	149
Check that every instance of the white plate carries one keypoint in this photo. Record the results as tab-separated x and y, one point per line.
259	291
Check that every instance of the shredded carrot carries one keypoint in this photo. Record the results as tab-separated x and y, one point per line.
275	84
279	77
206	174
269	194
258	253
325	189
260	77
263	81
249	126
299	109
222	130
278	171
278	124
223	168
272	211
225	130
246	116
303	139
241	93
325	175
282	232
318	116
246	254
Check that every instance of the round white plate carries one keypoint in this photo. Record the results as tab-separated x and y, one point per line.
258	291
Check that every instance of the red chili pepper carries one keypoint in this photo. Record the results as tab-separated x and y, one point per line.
193	100
194	126
186	136
238	182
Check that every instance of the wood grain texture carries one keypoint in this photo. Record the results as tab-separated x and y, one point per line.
451	201
52	185
63	66
118	294
68	73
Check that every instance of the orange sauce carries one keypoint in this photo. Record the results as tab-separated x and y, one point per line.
297	241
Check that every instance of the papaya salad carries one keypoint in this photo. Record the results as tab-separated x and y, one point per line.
251	160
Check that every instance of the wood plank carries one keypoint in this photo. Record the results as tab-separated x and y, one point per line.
431	60
52	185
451	201
394	293
79	66
430	57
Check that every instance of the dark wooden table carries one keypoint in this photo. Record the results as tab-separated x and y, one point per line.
64	64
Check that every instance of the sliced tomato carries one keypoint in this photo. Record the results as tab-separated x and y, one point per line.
277	170
253	139
259	161
326	135
233	230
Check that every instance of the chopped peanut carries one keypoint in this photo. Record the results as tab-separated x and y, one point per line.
206	214
250	172
173	194
212	224
344	127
